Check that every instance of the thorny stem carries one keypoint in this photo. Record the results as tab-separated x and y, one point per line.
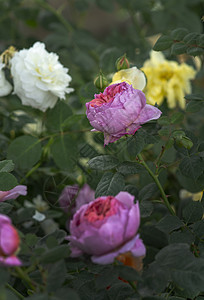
156	180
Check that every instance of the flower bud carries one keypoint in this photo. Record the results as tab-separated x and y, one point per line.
100	81
9	243
122	63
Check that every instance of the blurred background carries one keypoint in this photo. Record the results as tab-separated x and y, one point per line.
92	34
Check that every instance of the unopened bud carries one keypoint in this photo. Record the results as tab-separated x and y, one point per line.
122	63
101	81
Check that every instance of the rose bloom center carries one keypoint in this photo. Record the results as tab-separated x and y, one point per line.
106	98
101	209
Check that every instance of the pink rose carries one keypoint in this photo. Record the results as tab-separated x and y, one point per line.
9	243
106	228
119	110
13	193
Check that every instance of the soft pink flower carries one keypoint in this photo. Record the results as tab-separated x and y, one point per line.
72	198
106	228
119	110
9	243
14	193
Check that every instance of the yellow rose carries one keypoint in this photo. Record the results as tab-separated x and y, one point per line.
167	79
132	76
195	196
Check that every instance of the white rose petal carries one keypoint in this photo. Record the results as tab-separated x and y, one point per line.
5	86
39	78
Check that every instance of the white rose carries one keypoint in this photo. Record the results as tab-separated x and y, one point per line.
5	86
39	78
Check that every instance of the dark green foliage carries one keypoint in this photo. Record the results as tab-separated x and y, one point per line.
48	151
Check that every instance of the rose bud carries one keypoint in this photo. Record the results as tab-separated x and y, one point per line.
13	193
122	63
100	81
105	228
72	198
9	243
119	110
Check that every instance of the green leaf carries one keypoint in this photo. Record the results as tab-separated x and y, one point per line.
127	273
178	48
194	97
193	212
147	191
67	293
191	277
184	236
72	120
127	168
200	40
146	208
103	162
163	121
175	255
55	254
31	239
163	43
194	51
5	208
106	277
169	223
163	132
192	166
56	116
191	184
179	34
110	185
7	181
6	166
198	229
177	117
59	235
25	151
64	152
135	143
132	190
56	276
191	38
194	106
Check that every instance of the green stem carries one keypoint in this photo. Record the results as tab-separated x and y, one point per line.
31	172
57	14
25	277
14	291
156	180
133	285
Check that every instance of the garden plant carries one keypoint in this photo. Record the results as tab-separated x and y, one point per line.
101	149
